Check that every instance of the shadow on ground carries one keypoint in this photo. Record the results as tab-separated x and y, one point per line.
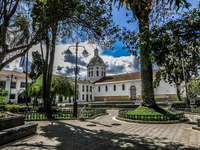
72	137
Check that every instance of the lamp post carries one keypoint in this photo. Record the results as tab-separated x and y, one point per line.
76	70
11	78
183	65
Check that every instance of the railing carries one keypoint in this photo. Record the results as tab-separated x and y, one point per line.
186	110
167	117
31	114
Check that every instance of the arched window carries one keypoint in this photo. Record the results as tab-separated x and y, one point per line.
99	89
89	73
97	73
106	88
87	88
114	87
82	88
123	87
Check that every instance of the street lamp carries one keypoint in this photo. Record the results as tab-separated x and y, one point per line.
76	70
11	76
183	65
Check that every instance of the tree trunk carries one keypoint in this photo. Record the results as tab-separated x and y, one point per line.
146	67
178	92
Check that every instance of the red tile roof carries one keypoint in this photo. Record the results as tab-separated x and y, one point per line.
16	74
123	77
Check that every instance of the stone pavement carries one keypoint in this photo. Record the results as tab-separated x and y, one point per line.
107	133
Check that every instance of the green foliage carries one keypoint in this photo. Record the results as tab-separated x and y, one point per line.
3	95
36	66
150	111
12	108
193	87
178	102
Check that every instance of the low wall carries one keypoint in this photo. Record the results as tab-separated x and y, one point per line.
12	121
15	133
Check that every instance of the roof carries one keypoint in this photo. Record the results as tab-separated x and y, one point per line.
96	60
16	74
123	77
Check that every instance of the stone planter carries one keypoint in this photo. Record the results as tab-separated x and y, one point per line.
14	127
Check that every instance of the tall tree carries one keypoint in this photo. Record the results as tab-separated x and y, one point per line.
36	66
86	18
141	10
176	45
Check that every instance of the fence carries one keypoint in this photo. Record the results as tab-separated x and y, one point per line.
167	117
186	110
32	114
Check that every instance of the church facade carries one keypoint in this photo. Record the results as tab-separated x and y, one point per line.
97	87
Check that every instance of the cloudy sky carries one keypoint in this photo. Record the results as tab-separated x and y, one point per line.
118	61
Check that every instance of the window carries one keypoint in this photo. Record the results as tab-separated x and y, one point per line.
90	96
90	88
12	96
114	87
102	73
82	96
13	85
99	89
82	88
97	73
3	84
86	88
87	97
89	68
97	67
123	87
106	88
23	85
91	73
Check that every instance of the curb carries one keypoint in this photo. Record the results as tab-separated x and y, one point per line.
153	122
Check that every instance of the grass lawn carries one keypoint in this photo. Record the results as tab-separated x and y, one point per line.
150	111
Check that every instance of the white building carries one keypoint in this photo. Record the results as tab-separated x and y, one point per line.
97	87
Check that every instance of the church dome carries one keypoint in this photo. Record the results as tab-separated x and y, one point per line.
96	59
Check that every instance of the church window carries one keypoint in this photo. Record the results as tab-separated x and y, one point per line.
91	73
86	88
90	88
114	87
123	87
82	88
106	88
99	89
97	73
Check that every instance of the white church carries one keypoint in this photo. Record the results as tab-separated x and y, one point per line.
97	87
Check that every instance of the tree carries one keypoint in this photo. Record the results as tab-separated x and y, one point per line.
59	86
85	18
193	87
176	45
36	66
141	10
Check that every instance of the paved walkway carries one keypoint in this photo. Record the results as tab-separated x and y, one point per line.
107	133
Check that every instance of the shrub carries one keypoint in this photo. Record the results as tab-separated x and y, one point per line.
178	102
12	108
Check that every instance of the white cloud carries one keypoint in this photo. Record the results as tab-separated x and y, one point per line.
65	65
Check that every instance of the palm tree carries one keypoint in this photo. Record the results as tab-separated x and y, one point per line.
141	10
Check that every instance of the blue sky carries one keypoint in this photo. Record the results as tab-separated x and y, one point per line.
118	61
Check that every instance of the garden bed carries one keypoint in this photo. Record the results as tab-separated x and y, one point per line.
151	114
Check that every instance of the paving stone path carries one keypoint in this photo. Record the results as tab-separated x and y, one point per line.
107	133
